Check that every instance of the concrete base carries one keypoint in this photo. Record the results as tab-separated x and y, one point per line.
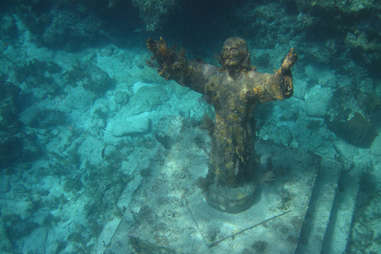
170	214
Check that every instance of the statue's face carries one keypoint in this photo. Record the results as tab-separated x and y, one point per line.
234	53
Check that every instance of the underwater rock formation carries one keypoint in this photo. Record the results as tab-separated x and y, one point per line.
233	90
153	12
61	24
9	108
341	6
355	23
344	25
348	121
14	144
354	128
10	145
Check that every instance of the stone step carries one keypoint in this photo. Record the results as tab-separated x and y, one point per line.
320	207
339	229
365	226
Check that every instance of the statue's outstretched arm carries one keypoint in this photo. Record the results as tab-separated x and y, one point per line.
275	86
174	65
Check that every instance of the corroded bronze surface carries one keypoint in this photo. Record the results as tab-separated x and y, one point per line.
233	90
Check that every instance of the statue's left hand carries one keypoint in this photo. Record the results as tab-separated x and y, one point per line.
289	60
284	74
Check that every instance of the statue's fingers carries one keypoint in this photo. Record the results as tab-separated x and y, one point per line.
292	56
150	43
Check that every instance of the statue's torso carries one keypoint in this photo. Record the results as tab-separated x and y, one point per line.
233	132
230	97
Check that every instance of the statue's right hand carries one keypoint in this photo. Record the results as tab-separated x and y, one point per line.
158	48
161	52
170	63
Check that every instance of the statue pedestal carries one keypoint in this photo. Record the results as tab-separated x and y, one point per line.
231	200
170	214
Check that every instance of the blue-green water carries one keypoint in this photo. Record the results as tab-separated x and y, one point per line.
100	154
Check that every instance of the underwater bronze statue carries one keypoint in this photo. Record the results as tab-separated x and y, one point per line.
233	89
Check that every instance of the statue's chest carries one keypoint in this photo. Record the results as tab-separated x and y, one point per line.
233	102
229	97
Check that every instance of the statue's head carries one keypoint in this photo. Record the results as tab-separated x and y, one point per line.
235	55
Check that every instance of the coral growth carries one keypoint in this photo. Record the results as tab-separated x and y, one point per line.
355	128
153	12
348	118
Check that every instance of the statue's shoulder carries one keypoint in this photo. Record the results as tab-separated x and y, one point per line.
209	69
211	72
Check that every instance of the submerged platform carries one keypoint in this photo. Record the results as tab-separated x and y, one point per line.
169	213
